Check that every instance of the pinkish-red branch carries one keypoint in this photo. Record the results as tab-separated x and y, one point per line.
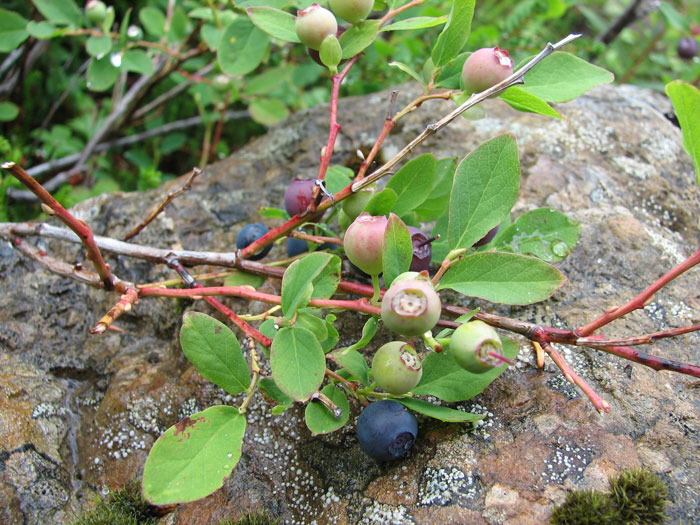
647	339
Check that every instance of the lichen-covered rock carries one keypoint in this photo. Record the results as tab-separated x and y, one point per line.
78	413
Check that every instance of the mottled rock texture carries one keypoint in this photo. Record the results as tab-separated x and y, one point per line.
78	413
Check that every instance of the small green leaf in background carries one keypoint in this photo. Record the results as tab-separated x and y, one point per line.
319	419
368	332
101	74
446	380
194	457
506	278
382	202
398	249
273	213
545	233
315	325
485	187
418	22
270	390
333	337
42	30
275	22
686	104
449	415
450	76
214	351
13	30
137	61
455	34
241	278
268	111
408	70
298	362
178	26
98	45
266	81
562	77
242	47
60	12
354	362
8	111
153	21
316	275
358	37
517	98
412	183
337	178
434	206
212	35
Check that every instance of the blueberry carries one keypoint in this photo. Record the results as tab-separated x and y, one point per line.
251	233
687	47
328	246
488	237
296	247
386	430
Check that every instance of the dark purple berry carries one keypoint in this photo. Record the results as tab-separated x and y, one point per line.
386	430
298	196
296	247
687	47
422	250
251	233
488	237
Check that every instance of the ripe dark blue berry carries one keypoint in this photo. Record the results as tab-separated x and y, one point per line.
687	47
386	430
251	233
296	247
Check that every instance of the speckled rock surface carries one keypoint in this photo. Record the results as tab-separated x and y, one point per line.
78	413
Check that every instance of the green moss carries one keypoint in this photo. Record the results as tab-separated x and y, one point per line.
636	496
121	507
640	495
259	518
586	507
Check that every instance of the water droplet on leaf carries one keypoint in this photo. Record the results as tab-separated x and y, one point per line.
560	248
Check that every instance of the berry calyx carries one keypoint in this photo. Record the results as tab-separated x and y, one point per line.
411	306
477	347
364	243
95	10
298	196
396	367
422	250
386	430
488	237
313	24
352	11
687	47
251	233
486	67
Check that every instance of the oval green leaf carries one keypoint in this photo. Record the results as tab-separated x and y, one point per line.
686	104
319	419
412	183
275	22
194	457
60	12
242	47
298	362
517	98
316	275
398	249
455	34
358	37
13	30
449	415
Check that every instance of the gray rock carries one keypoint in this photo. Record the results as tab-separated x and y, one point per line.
80	412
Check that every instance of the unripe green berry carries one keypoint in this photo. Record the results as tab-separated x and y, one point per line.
471	344
313	24
95	10
352	11
355	203
486	67
396	367
364	243
411	306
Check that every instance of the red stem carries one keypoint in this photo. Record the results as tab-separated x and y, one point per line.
596	341
501	358
641	300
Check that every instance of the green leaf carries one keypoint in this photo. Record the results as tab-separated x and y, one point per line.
298	362
446	380
409	70
354	362
270	389
42	30
316	275
153	21
268	111
382	202
545	233
337	178
686	104
178	26
418	22
8	111
242	47
358	37
330	53
368	332
313	324
412	183
455	34
449	415
275	22
485	187
562	77
214	351
398	249
194	457
137	61
266	81
13	30
333	337
273	213
517	98
212	35
60	12
320	420
98	45
503	278
434	206
241	278
450	76
101	74
673	17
